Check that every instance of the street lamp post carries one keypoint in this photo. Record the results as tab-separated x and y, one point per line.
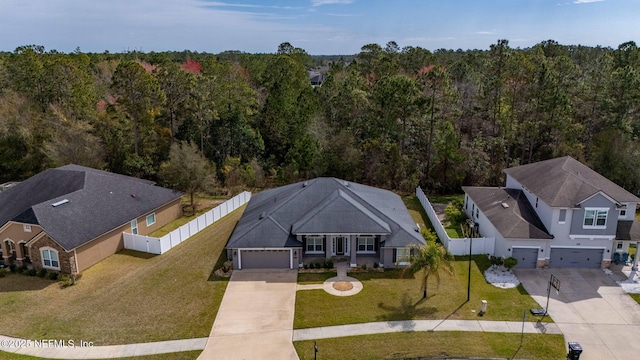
470	235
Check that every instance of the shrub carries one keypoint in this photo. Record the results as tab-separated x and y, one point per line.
499	261
458	203
12	268
31	272
493	260
53	276
329	264
364	266
318	266
3	272
510	262
21	269
376	265
66	280
227	266
42	273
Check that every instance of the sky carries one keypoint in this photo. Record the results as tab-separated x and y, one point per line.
321	27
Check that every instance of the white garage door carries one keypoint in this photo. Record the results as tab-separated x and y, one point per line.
265	259
575	258
527	257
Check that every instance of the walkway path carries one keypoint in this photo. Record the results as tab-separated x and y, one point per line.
329	284
424	325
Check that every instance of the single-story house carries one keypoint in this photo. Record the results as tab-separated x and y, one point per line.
322	218
555	213
69	218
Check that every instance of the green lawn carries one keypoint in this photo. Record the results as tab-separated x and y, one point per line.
315	278
187	355
387	297
203	204
129	297
448	344
445	199
417	211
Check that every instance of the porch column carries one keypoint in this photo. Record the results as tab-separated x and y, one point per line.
635	259
5	253
353	246
19	255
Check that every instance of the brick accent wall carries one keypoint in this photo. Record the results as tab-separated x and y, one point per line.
65	258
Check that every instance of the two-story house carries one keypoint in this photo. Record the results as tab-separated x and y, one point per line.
556	213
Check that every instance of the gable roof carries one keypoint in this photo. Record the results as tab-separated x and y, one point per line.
517	220
97	202
323	205
566	182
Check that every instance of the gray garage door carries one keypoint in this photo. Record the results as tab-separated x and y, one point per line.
575	258
527	258
265	259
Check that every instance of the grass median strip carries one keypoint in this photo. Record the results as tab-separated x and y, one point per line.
451	344
129	297
186	355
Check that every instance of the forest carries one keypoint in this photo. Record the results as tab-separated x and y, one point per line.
388	116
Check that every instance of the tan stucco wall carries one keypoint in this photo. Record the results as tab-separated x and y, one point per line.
91	253
164	215
110	243
15	232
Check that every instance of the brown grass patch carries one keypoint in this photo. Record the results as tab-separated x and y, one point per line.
128	297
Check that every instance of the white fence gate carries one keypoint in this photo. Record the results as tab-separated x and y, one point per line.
161	245
456	246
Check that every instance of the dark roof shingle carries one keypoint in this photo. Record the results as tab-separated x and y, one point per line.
323	205
98	202
515	221
565	182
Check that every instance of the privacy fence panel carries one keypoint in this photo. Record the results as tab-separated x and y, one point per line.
161	245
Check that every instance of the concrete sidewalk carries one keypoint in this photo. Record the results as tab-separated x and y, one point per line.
424	325
98	352
163	347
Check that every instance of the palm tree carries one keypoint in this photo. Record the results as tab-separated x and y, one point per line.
429	260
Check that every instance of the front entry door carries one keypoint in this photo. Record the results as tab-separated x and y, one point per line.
340	245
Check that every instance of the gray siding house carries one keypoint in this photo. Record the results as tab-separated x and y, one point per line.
556	213
319	219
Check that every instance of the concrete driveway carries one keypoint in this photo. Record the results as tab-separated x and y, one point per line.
255	320
590	309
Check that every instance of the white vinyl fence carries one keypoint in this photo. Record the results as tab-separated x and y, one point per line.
456	246
161	245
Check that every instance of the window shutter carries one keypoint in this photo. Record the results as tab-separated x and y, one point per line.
395	255
376	243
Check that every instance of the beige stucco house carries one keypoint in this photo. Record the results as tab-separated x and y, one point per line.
69	218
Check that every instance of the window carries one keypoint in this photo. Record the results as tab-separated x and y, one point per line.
563	216
151	219
477	213
623	213
10	246
619	246
402	256
26	227
536	203
314	244
50	259
595	218
466	202
134	227
366	244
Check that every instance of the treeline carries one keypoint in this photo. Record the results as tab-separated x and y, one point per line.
389	116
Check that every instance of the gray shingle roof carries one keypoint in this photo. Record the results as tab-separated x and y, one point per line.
517	221
323	205
99	202
565	182
628	230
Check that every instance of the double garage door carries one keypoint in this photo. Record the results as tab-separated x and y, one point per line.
575	258
265	259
